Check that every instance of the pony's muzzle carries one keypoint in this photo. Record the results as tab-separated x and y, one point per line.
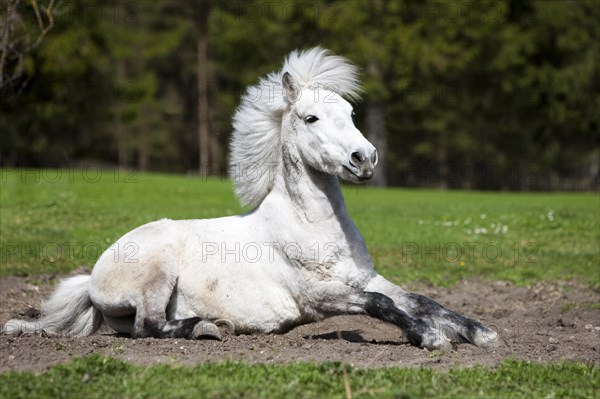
363	163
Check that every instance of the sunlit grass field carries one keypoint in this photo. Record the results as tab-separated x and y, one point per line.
111	378
55	221
58	220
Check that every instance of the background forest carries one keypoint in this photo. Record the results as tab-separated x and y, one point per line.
458	94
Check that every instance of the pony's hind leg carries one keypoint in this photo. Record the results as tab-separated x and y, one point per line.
150	312
190	328
134	296
151	321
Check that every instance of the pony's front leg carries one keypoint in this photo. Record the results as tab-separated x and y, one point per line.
453	326
417	331
337	298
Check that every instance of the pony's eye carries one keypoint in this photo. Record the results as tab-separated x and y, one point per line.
311	119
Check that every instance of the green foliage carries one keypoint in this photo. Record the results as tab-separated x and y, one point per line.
489	94
101	377
58	220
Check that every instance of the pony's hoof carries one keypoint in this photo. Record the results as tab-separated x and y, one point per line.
484	338
206	330
225	326
436	340
12	328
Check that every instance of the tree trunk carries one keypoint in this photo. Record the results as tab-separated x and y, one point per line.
143	151
376	128
6	25
442	161
119	130
376	134
202	69
215	154
203	138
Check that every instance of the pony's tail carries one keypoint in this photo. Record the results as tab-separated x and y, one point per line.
69	312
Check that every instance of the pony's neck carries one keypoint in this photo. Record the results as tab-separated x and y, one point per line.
313	196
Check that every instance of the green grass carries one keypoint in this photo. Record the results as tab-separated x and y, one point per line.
439	237
99	377
56	221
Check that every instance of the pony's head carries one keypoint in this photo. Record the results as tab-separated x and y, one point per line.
319	123
304	105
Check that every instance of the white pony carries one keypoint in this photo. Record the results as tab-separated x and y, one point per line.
295	258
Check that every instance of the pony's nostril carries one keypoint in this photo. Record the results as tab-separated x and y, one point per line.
356	159
374	158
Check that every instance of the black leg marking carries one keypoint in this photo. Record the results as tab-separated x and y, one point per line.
171	329
461	328
383	308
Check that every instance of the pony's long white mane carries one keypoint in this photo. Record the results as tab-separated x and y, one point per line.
255	150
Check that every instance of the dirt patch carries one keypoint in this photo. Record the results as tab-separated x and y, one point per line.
546	322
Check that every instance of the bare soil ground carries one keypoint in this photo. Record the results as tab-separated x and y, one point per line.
547	322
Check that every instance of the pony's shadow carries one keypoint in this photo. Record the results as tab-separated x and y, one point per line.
350	336
119	335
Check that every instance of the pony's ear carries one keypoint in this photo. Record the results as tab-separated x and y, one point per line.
291	91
